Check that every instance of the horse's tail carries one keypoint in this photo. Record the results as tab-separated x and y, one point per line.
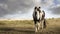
45	23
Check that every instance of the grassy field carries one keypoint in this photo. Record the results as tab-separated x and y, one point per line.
27	26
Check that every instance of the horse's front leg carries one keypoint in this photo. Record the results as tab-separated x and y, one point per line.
36	27
36	30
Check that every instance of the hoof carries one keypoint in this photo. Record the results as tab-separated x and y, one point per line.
36	31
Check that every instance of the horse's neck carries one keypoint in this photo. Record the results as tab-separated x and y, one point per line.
41	14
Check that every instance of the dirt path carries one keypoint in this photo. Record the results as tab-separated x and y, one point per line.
18	30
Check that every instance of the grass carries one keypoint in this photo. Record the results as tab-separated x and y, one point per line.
16	26
16	23
29	23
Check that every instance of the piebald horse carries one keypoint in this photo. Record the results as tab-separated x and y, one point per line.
39	18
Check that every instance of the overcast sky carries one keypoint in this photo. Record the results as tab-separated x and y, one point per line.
23	8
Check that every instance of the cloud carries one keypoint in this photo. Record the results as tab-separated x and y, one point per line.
23	6
55	10
51	5
46	3
13	6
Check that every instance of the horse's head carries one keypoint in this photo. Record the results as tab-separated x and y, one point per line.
37	11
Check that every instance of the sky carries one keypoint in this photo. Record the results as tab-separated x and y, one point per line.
23	9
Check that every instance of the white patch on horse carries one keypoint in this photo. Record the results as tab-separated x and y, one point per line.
37	14
41	13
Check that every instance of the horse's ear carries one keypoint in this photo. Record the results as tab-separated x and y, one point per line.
39	7
35	7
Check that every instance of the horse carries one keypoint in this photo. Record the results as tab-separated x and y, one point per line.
38	18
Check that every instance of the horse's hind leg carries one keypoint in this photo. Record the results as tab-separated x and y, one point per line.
42	24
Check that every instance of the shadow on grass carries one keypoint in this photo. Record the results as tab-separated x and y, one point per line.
29	31
6	29
16	29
